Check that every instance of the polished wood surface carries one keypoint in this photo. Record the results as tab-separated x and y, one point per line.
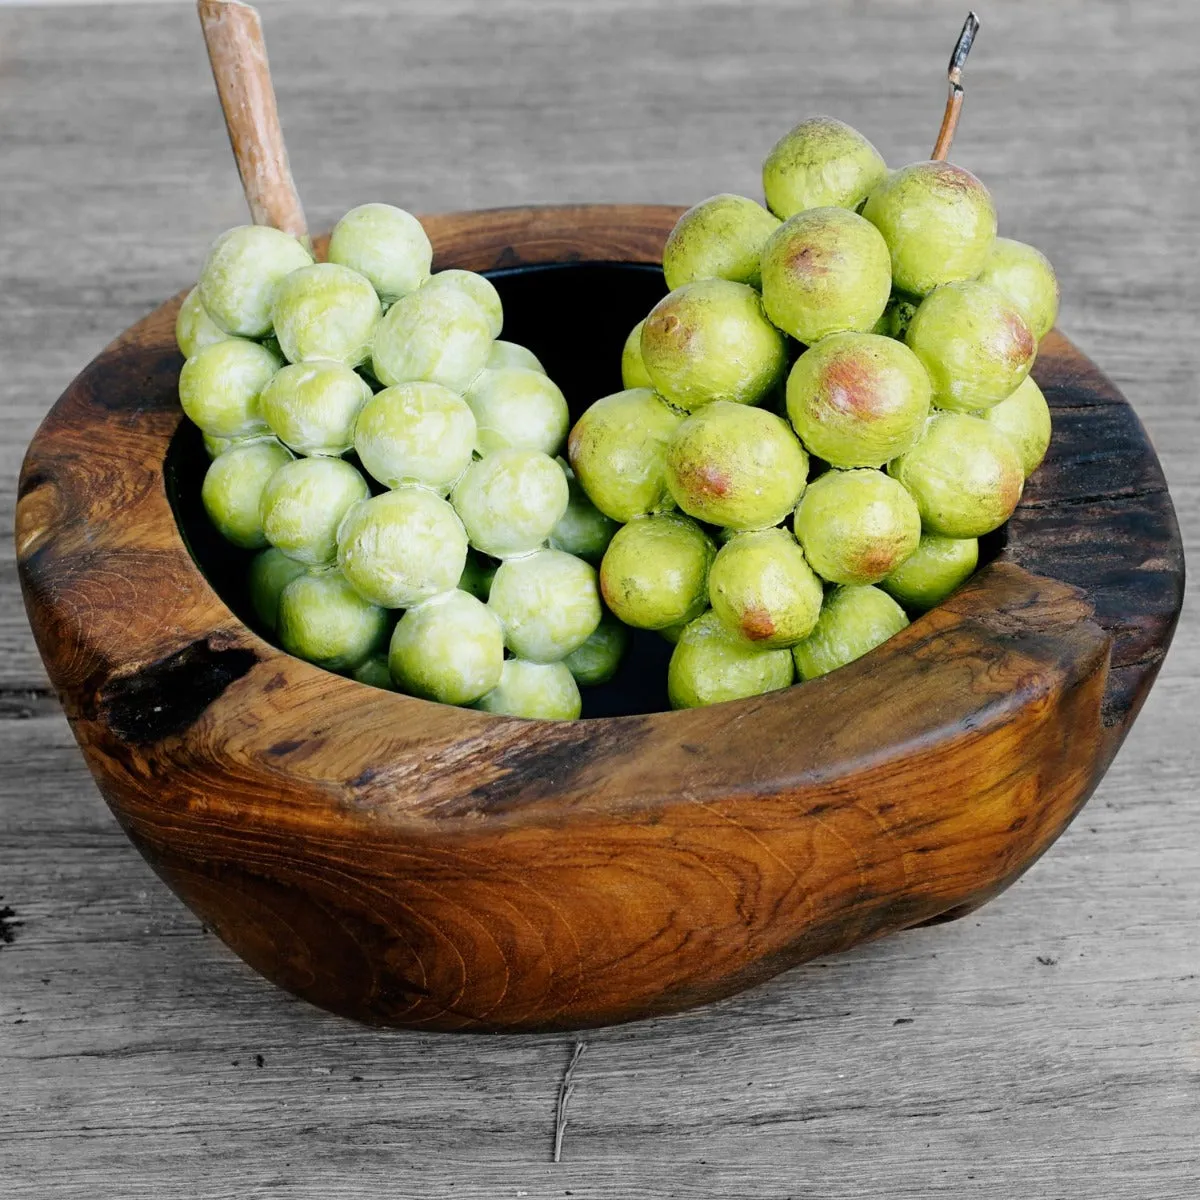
1043	1047
409	863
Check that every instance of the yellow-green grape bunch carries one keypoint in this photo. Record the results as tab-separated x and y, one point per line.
910	329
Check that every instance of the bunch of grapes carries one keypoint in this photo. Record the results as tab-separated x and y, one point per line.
394	463
821	419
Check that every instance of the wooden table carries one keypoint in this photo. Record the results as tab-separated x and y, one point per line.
1047	1047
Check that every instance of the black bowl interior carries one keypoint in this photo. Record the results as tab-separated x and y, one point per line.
575	318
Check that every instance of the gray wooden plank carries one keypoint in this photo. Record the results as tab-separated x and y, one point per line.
1077	1077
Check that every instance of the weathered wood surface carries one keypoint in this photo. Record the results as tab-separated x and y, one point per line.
1072	1077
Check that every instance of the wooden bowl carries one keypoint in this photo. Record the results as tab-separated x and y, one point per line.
406	863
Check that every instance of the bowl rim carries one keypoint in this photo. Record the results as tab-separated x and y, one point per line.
122	411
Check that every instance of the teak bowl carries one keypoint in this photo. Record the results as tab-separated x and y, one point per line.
410	864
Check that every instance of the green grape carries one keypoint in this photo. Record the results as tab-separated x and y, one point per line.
304	503
312	407
325	312
511	501
633	369
433	335
618	450
710	664
824	271
763	588
547	602
477	576
857	526
509	354
858	399
402	547
542	691
583	530
517	407
597	660
964	474
853	621
387	245
1025	278
233	488
215	446
934	570
449	649
655	571
324	620
673	633
896	316
416	433
1025	419
821	163
938	221
240	274
710	340
477	288
734	466
194	328
220	384
973	343
721	237
375	672
270	572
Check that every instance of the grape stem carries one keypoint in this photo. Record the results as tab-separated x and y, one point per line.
234	36
954	101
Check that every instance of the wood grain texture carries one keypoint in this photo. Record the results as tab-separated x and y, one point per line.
408	863
1075	1080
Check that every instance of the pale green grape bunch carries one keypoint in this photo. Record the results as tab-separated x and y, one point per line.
548	603
241	273
384	244
194	328
220	386
432	335
283	356
475	287
233	489
303	504
313	407
536	691
416	433
401	548
326	621
517	407
325	312
511	501
449	648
